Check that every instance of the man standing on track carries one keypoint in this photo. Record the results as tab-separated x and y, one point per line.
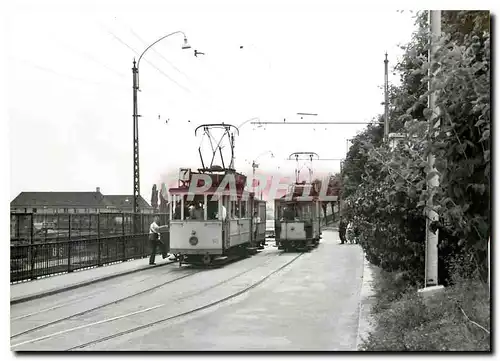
154	239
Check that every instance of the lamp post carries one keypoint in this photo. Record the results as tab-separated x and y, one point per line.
135	88
256	165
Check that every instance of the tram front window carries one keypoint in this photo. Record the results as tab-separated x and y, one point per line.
212	209
177	210
196	209
289	213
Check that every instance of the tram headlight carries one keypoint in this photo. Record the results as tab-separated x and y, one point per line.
193	241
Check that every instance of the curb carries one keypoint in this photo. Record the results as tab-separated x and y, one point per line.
82	284
364	317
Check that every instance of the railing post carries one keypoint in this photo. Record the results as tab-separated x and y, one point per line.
99	263
69	242
123	236
32	251
143	244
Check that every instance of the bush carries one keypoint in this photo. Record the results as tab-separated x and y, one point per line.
385	190
405	323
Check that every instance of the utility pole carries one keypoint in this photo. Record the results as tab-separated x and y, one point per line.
431	249
386	99
254	165
135	88
136	194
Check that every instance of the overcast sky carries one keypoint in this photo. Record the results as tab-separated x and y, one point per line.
70	86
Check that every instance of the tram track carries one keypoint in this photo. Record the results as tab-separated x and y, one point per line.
269	259
86	297
96	293
155	287
186	313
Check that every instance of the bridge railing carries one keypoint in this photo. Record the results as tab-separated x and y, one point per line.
68	248
27	228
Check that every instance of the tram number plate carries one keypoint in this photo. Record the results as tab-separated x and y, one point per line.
215	241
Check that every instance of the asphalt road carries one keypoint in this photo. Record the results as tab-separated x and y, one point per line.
270	301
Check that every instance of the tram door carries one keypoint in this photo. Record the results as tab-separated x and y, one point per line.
317	220
277	217
261	227
224	203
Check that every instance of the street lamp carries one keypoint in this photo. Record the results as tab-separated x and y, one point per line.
135	87
256	165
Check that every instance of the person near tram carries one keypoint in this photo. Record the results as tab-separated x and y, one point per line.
155	239
342	229
255	223
197	212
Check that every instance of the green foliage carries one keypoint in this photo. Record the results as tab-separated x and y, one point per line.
386	190
405	323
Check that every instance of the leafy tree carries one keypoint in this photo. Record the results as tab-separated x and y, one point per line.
385	189
154	198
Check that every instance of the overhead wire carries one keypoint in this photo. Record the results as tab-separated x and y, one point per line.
155	51
209	103
69	77
86	55
148	61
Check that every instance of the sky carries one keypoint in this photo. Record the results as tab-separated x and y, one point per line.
69	103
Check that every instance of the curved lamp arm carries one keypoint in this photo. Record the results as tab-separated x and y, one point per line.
186	46
261	154
246	121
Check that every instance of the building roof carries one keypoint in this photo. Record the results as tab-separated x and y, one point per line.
74	199
60	199
124	201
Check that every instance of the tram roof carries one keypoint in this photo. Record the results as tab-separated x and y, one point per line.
211	191
298	199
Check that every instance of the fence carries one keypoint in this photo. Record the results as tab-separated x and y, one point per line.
73	247
29	228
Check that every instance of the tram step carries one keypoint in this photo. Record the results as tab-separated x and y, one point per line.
220	258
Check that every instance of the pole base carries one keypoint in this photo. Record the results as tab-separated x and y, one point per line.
428	292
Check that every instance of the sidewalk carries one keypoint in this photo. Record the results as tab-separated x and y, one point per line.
365	304
22	292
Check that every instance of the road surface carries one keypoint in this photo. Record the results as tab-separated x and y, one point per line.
271	301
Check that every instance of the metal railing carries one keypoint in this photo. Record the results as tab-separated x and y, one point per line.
27	228
69	248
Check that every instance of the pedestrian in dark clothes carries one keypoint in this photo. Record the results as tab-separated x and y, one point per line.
342	230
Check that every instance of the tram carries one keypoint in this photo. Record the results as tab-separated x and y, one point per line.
298	216
298	221
211	213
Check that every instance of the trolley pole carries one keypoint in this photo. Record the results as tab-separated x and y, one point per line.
431	249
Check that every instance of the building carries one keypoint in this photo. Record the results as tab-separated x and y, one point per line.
125	204
74	202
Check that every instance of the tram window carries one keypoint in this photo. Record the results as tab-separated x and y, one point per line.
177	210
235	209
244	209
187	208
212	209
196	209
